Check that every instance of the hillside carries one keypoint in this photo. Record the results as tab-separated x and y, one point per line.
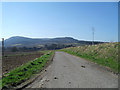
104	54
30	42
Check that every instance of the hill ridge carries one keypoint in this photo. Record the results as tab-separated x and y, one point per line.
25	41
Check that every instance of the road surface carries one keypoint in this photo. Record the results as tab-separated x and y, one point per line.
67	71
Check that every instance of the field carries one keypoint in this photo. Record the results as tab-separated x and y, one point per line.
12	60
104	54
24	72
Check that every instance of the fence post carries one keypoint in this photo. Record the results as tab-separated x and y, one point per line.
2	46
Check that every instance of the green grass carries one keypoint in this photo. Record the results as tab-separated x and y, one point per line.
23	73
104	54
45	51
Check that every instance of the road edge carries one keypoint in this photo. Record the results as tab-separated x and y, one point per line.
104	67
35	76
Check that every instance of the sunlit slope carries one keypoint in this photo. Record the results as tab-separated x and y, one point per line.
105	54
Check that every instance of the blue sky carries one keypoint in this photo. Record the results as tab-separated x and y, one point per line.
63	19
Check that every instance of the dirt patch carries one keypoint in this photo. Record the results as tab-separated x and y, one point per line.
13	61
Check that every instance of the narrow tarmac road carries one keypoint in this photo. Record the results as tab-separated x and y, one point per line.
67	71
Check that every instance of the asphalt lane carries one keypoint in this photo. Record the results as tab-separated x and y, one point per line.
68	71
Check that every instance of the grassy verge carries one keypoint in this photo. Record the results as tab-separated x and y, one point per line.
104	54
23	73
46	51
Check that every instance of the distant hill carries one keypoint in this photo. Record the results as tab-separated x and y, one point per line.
30	42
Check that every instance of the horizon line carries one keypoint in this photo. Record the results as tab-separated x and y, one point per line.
58	37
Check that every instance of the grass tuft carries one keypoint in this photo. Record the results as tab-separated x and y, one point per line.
23	73
104	54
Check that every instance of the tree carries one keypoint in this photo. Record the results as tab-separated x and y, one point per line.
14	49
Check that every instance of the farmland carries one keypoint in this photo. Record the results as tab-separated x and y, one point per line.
19	67
12	60
24	72
104	54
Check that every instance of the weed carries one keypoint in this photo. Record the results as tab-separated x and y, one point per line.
104	54
23	73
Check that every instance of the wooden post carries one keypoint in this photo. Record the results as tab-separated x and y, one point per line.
2	46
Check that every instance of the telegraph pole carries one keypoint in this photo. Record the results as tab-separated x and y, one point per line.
2	46
93	35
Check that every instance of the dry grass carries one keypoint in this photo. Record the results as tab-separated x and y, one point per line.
105	54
